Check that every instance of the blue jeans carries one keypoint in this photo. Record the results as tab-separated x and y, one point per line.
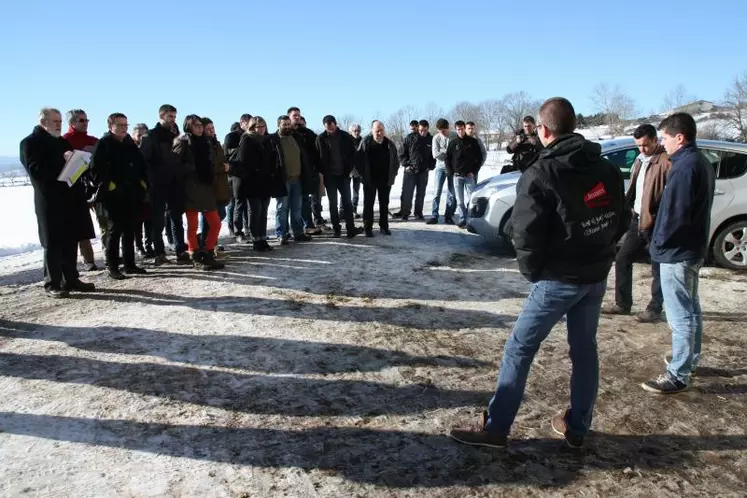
679	285
547	303
441	178
290	204
463	187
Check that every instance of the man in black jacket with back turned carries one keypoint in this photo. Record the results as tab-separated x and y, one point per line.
568	216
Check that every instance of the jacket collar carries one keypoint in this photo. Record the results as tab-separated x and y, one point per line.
684	150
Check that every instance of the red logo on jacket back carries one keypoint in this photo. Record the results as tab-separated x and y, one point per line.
597	196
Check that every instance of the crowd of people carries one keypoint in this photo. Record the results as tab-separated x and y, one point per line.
570	213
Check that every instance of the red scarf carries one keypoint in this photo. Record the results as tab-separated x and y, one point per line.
79	140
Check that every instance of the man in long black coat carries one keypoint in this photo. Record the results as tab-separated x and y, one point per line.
61	211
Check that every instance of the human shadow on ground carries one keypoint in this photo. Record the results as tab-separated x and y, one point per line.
256	354
246	393
392	458
410	315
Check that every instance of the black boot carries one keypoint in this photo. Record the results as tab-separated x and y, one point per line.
210	262
198	261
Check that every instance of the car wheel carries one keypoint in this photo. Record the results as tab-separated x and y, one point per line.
730	246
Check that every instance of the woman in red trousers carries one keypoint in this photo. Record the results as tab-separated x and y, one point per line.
195	153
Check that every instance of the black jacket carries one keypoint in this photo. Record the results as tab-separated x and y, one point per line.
416	155
683	222
524	151
258	166
165	172
61	212
463	156
309	181
363	163
569	213
307	140
118	169
347	152
231	145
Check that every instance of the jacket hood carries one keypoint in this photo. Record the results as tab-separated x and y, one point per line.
573	149
236	127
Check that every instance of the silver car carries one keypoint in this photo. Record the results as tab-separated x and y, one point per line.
493	199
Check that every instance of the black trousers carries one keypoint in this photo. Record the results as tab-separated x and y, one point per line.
369	197
241	209
631	247
258	217
123	230
60	264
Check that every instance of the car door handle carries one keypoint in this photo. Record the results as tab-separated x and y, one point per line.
718	192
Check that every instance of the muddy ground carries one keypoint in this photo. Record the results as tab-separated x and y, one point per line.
335	368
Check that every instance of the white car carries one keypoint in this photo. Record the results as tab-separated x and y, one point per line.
493	199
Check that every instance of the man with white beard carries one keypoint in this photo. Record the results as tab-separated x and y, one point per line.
61	211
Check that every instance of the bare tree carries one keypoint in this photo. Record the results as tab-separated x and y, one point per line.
348	119
677	97
466	111
432	112
735	100
494	120
516	106
398	123
615	104
12	175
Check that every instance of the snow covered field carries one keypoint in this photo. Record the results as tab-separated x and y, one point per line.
335	368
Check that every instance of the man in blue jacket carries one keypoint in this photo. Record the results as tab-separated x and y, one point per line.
679	245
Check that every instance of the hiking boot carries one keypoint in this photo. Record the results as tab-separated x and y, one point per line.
240	238
90	266
404	218
338	233
160	260
284	240
665	384
448	220
208	259
302	238
115	273
56	293
668	360
265	246
420	217
432	221
198	261
369	232
385	231
462	224
79	286
478	436
561	428
183	258
134	270
615	310
313	231
355	231
648	316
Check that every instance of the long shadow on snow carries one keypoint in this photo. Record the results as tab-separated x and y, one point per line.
258	354
397	459
417	316
258	394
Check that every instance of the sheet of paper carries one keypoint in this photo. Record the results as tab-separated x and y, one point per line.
75	167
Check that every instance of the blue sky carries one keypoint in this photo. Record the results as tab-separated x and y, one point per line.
368	59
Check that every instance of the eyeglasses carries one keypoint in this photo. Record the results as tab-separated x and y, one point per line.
82	120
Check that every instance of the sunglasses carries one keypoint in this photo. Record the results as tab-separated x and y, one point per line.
82	120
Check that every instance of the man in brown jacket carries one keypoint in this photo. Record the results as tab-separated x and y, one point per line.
647	183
